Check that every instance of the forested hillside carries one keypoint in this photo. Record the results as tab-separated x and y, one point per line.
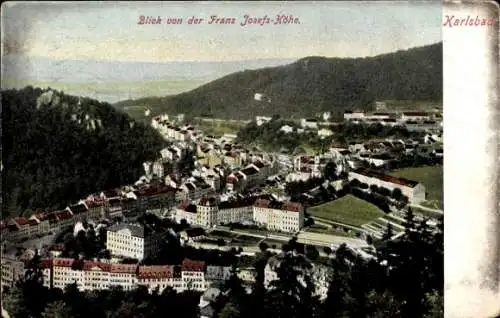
59	148
311	85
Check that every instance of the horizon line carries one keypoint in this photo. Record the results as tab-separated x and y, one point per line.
294	59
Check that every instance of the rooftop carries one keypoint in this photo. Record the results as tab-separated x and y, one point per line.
136	230
285	206
193	266
387	178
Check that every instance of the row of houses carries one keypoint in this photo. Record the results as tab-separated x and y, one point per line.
273	215
109	204
400	116
252	175
99	275
171	131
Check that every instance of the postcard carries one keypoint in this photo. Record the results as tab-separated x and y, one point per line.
244	159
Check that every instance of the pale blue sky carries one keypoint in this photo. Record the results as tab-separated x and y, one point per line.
109	31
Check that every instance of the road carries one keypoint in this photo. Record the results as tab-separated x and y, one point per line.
426	208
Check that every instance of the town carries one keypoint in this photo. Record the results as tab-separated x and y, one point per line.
223	202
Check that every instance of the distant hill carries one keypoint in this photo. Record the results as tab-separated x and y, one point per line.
311	85
59	148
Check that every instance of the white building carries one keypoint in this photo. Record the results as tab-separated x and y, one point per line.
309	123
354	115
415	116
260	120
133	241
94	275
279	216
215	272
12	271
276	216
325	132
286	129
414	190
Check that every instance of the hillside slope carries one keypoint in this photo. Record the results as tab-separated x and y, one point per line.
59	148
311	85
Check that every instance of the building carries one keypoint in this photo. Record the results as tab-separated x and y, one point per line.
414	190
260	120
415	116
286	129
193	275
64	272
324	132
273	215
160	277
354	115
218	273
12	271
279	216
133	241
155	197
309	123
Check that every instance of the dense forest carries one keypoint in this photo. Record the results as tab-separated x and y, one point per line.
59	148
405	279
311	85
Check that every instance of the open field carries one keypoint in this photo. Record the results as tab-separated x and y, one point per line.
431	177
217	128
348	210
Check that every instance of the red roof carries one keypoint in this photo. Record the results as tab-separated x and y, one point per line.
64	215
57	247
63	262
261	203
156	271
293	207
46	263
94	203
89	265
286	206
183	205
123	268
21	221
156	190
193	266
41	216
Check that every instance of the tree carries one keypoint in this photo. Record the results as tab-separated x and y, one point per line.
383	305
435	303
409	224
14	302
397	194
331	171
230	310
374	188
369	240
221	242
389	232
327	250
57	309
263	246
312	252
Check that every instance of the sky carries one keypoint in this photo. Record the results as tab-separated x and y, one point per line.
110	31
